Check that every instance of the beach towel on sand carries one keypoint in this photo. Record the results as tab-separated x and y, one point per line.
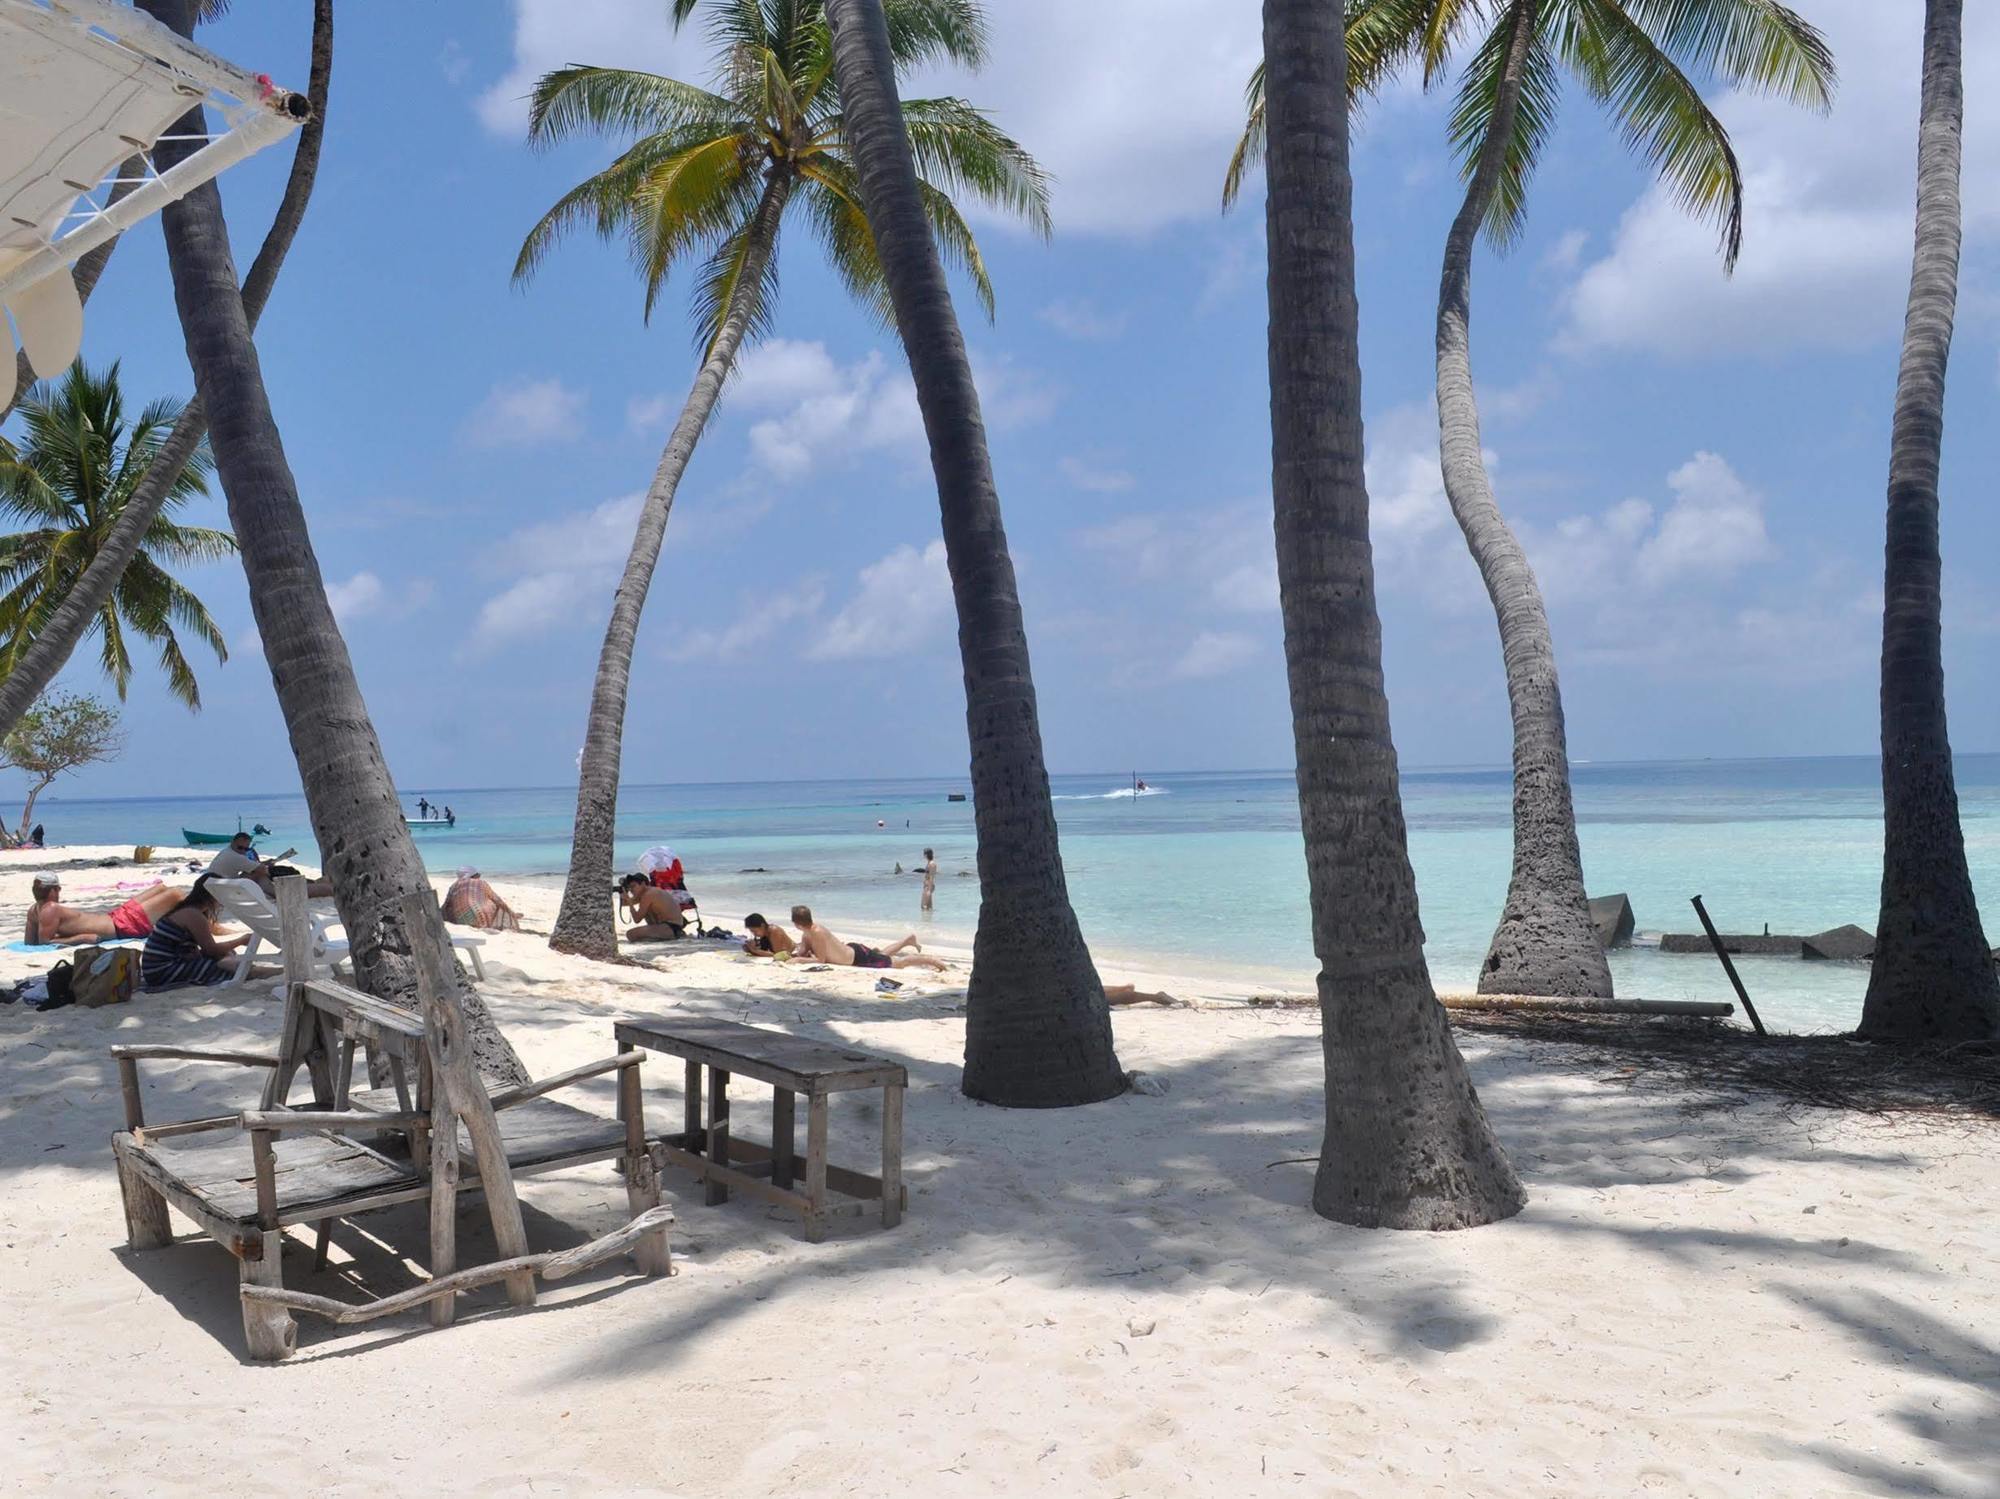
19	946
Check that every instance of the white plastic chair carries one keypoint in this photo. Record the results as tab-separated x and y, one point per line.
245	901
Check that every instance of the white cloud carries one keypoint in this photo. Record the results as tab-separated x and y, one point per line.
1249	589
823	412
360	595
1213	653
651	413
1828	205
550	34
1083	320
1567	251
760	624
526	413
556	570
902	604
526	607
1221	556
1095	478
598	537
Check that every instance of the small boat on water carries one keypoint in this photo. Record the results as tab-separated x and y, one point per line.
216	840
427	824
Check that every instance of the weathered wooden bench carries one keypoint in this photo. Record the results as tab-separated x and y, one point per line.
243	1179
794	1066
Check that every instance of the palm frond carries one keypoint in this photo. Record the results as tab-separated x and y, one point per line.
724	280
1760	45
959	148
1660	114
832	202
1474	117
622	101
955	243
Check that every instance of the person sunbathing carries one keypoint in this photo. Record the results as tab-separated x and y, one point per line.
654	913
817	943
50	921
765	940
472	902
184	951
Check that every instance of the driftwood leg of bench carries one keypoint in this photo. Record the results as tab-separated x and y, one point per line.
642	1184
444	1206
146	1225
718	1131
269	1330
784	1136
816	1167
691	1108
892	1155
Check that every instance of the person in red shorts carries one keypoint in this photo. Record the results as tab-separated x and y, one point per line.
50	921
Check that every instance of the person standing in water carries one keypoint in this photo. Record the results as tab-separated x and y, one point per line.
930	881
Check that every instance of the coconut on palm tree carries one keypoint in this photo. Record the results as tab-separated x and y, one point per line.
32	668
1933	977
1640	61
71	480
1407	1144
707	182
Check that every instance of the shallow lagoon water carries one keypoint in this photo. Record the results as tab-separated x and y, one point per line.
1206	875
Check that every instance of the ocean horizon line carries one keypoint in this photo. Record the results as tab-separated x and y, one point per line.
1463	768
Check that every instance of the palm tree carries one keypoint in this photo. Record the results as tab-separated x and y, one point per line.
1634	58
1037	1032
1933	977
356	814
710	179
71	480
33	668
1407	1144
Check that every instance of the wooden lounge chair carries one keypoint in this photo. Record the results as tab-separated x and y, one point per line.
245	1178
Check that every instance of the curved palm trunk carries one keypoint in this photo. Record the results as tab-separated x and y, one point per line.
584	924
1933	976
356	813
1037	1032
52	647
1407	1144
85	277
1544	943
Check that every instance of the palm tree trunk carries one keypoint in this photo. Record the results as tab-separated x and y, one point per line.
1037	1031
1407	1144
1544	943
356	814
584	924
1933	977
85	278
53	645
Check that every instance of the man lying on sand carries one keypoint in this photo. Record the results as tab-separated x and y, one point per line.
655	914
818	943
50	921
765	940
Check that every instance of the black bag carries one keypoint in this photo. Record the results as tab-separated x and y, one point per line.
59	986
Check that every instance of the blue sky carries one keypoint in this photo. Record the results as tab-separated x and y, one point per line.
1696	464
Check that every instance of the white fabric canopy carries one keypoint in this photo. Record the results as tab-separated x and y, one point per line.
85	85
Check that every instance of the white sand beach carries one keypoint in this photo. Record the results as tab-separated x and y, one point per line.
1131	1298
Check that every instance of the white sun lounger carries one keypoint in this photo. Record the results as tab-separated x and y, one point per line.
245	901
86	85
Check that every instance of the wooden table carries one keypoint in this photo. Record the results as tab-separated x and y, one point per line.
793	1066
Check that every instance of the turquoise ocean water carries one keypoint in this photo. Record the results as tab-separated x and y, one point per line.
1206	874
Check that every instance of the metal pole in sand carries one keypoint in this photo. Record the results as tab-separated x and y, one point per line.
1727	966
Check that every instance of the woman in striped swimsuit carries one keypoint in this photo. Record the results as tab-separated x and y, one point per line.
182	949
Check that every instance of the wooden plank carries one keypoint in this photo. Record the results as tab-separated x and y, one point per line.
508	1097
653	1254
543	1129
784	1136
450	1049
227	1232
444	1210
269	1330
797	1062
267	1186
398	1026
146	1225
191	1054
128	1086
816	1167
892	1156
556	1265
718	1132
691	1099
706	1170
326	1119
841	1179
